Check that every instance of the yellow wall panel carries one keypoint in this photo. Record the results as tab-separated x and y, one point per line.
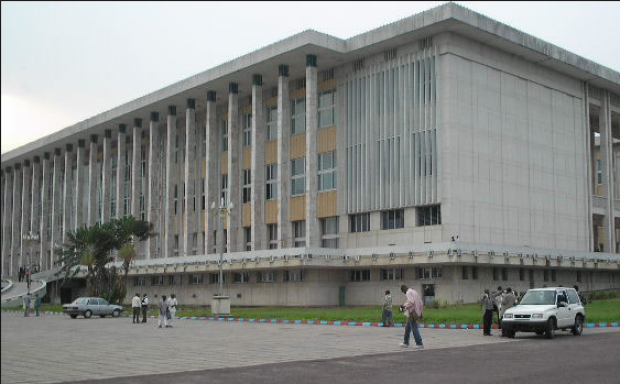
271	102
298	145
247	158
271	152
224	163
298	93
247	215
203	222
298	208
329	84
271	212
326	204
326	140
203	171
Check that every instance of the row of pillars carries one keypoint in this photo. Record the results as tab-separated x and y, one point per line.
26	208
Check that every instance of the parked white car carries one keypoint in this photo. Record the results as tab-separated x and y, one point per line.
545	310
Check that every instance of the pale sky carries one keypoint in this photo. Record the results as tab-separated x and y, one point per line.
64	62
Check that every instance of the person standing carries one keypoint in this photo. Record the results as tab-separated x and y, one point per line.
414	310
20	274
497	303
28	278
163	312
145	307
387	317
37	306
508	301
488	301
26	301
136	304
172	306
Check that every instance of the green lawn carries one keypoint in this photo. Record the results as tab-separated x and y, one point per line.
598	311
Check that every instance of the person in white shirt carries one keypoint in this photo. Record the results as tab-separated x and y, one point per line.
136	304
145	307
163	312
172	303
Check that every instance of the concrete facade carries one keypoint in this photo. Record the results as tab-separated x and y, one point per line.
443	124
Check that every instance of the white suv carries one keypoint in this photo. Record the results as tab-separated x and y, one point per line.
545	310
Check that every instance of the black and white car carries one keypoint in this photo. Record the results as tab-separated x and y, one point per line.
544	311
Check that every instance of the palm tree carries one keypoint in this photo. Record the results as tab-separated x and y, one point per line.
128	232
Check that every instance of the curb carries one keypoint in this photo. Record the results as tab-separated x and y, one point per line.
336	323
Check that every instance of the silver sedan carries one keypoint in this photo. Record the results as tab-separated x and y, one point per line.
89	306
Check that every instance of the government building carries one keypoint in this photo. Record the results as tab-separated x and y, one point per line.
445	151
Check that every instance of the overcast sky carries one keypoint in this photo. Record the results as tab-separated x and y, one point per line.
65	62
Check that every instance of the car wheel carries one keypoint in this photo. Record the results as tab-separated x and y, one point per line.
578	327
116	313
539	333
511	334
550	332
88	314
73	316
102	316
504	333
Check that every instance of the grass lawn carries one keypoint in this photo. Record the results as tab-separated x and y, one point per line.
598	311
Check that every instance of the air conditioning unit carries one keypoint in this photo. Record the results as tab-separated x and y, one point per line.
271	258
411	255
327	257
392	255
374	257
431	254
358	257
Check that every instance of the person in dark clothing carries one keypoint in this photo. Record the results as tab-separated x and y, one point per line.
488	301
145	307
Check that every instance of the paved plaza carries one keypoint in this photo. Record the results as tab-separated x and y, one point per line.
55	348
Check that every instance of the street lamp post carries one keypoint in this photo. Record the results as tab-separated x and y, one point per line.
221	304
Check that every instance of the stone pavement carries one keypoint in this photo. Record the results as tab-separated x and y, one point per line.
55	348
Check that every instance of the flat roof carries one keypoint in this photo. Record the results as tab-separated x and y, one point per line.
332	51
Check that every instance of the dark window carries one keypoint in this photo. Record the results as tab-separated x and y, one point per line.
360	275
359	222
393	219
430	215
465	275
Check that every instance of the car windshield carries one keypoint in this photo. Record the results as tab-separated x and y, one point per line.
80	301
538	298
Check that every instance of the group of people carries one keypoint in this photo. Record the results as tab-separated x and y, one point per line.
24	274
27	302
496	302
167	309
414	311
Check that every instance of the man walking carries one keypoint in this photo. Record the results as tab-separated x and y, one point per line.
172	307
145	307
136	304
163	312
414	310
387	318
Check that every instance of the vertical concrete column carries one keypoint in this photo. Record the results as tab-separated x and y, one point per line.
212	174
135	167
284	157
171	131
67	199
93	178
154	198
6	220
607	168
234	175
121	149
44	222
78	196
313	235
2	195
190	176
35	204
258	165
56	204
106	176
15	225
26	199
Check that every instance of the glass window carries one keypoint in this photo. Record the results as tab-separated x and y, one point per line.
247	186
298	115
247	129
430	215
599	172
465	273
196	278
271	192
139	281
272	123
392	274
359	222
293	276
393	219
495	274
359	275
327	171
224	189
175	280
327	108
266	277
93	302
248	238
299	233
329	232
224	134
214	278
474	273
243	277
157	280
504	274
573	298
272	231
298	174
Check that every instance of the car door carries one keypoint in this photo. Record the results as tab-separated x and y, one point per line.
562	312
104	307
93	305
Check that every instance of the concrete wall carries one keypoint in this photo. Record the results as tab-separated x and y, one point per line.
513	157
